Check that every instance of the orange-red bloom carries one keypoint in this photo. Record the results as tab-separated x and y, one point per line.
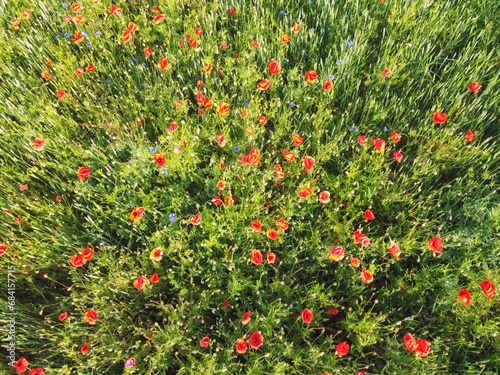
435	244
324	197
307	316
366	276
282	224
263	85
342	349
395	251
223	108
398	156
274	67
360	238
355	262
15	24
196	220
147	51
489	288
296	28
362	140
46	75
289	155
87	254
113	9
221	140
256	225
78	37
272	234
204	342
255	340
61	94
256	257
255	44
439	118
395	136
137	213
217	200
474	87
198	31
286	38
160	17
91	317
470	136
369	215
83	173
164	64
464	297
423	348
39	144
328	85
304	193
311	76
271	257
132	27
241	346
337	253
156	254
140	282
155	279
207	68
230	200
76	7
160	159
410	342
173	127
193	43
21	365
26	14
379	144
85	349
79	72
63	316
246	318
386	73
77	261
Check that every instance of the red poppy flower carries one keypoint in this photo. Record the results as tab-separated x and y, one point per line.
147	51
36	371
271	257
76	7
232	11
311	76
200	83
398	156
217	200
164	64
230	200
362	140
386	73
78	37
132	27
272	234
474	87
58	198
470	136
221	140
255	44
307	316
207	68
289	155
379	144
61	94
244	113
369	215
263	85
26	14
140	282
395	136
256	225
204	342
85	349
256	257
274	67
489	288
410	342
362	372
423	348
435	244
254	157
79	72
360	238
282	224
241	346
196	220
15	24
208	103
224	45
90	68
21	365
324	197
263	120
328	85
337	253
246	318
193	43
464	297
137	213
333	311
248	130
178	104
395	251
439	118
342	349
160	159
87	254
39	144
156	254
46	75
91	317
296	28
154	278
255	340
223	108
286	38
304	193
160	17
366	276
198	31
83	173
173	127
226	303
63	316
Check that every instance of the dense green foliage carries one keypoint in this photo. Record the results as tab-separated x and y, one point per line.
445	186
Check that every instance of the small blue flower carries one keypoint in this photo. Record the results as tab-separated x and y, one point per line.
58	36
65	5
292	105
340	62
98	33
104	243
96	24
213	136
331	76
247	105
107	80
283	13
236	149
350	44
61	232
88	45
67	35
309	2
85	34
152	150
172	217
354	129
385	128
135	60
164	170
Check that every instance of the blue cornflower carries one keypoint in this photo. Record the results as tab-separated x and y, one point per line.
164	170
354	129
96	24
67	35
247	105
61	232
85	34
292	105
385	128
236	149
340	62
309	1
65	5
350	44
172	217
104	243
152	150
88	45
331	76
98	33
58	36
283	13
107	80
135	60
213	136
